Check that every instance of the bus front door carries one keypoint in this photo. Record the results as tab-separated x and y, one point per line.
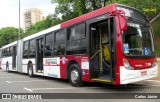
39	55
101	50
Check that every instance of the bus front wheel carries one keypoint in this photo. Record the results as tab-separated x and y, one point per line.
30	70
75	77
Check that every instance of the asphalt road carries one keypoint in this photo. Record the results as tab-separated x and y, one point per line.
13	82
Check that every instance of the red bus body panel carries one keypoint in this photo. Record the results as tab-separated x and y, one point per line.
93	14
64	61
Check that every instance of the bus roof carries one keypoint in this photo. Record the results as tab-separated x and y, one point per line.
42	32
13	43
84	17
89	15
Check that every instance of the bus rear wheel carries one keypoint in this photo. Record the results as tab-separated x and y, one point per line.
30	70
75	77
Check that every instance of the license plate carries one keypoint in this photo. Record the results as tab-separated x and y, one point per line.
143	73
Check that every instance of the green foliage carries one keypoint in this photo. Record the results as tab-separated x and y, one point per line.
51	20
156	31
73	8
39	26
69	9
156	26
142	5
8	35
158	51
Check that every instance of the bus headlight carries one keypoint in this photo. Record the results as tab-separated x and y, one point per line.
127	65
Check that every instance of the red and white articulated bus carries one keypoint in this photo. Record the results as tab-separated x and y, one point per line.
114	44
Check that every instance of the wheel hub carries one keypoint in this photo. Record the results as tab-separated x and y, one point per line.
74	76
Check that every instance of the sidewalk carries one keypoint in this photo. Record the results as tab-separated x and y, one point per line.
158	78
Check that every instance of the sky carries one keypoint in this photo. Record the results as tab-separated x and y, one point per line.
9	11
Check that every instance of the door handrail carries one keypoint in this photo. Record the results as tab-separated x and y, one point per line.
95	54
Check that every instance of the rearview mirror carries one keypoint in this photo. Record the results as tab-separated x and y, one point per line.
122	22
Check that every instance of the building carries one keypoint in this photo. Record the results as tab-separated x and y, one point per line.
31	16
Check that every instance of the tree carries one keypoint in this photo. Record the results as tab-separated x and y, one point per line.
150	7
69	9
39	26
73	8
8	35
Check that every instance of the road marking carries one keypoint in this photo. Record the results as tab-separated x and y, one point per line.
8	82
150	84
23	81
28	89
153	81
11	77
5	74
146	85
68	88
33	89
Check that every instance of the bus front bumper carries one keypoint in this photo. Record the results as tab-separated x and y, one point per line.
131	76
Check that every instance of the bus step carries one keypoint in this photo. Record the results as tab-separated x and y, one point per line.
104	78
101	80
40	71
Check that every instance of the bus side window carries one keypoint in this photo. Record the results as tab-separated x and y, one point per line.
49	45
32	48
59	46
3	53
76	39
25	49
10	50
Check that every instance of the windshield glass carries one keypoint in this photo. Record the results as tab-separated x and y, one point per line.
138	40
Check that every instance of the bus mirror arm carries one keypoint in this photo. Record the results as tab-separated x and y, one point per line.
122	22
121	16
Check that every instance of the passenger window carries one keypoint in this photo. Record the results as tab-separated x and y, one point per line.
49	45
77	32
59	49
59	46
49	39
60	36
32	48
76	40
25	49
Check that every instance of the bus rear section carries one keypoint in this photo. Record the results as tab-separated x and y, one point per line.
9	57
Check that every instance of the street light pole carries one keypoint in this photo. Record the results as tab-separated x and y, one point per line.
19	32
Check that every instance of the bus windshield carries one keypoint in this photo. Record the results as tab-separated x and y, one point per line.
138	40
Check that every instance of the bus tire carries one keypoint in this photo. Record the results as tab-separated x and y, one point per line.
7	67
30	70
75	77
